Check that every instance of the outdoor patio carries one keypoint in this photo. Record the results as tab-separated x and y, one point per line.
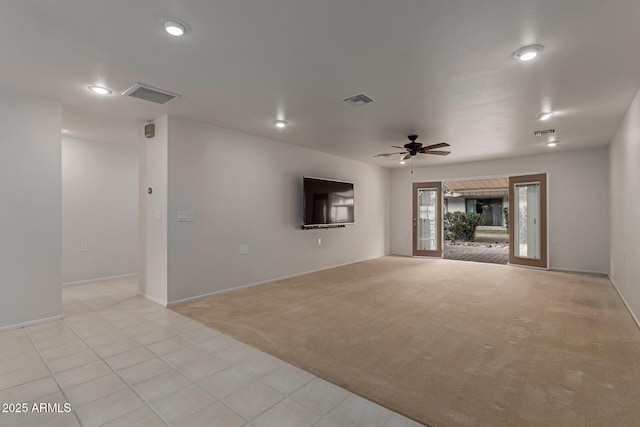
490	245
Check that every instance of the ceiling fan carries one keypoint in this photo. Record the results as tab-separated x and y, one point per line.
412	148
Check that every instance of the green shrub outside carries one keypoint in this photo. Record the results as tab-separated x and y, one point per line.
461	225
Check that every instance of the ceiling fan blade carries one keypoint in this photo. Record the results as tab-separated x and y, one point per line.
397	146
439	153
388	154
408	156
434	146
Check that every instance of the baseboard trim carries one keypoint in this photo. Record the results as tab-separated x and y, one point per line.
635	318
573	270
153	299
267	281
99	279
30	323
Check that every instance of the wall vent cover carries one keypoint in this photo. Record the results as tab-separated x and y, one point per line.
150	93
357	100
545	132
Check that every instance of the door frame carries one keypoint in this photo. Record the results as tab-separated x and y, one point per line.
543	262
439	226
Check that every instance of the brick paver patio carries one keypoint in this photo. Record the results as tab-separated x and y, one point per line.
494	255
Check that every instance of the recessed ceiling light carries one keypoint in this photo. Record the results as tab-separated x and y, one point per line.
545	116
280	124
99	90
552	144
175	28
527	53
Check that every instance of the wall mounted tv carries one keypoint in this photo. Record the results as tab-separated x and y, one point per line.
327	202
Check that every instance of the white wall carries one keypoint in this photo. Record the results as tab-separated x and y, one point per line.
624	154
99	208
246	189
456	204
30	214
152	281
578	202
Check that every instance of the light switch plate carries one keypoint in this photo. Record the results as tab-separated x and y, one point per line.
244	249
186	216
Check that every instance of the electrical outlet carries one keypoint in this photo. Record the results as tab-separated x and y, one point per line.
319	241
84	247
244	249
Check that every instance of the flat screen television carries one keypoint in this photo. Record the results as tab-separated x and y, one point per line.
327	202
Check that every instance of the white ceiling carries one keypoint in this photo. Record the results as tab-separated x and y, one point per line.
441	69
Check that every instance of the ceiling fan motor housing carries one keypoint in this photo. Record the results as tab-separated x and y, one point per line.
413	146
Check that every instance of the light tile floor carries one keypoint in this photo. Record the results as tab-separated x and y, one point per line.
121	360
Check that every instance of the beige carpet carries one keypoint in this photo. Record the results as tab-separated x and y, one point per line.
448	342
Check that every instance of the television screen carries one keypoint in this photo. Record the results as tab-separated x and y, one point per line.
327	202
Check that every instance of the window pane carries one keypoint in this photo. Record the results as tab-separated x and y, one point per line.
526	237
427	219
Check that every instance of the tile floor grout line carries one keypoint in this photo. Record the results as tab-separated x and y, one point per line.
259	379
196	383
51	372
334	407
233	365
119	376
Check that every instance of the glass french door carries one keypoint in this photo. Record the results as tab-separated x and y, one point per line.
427	219
528	220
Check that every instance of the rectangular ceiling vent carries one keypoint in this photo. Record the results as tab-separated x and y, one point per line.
357	100
546	132
150	93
